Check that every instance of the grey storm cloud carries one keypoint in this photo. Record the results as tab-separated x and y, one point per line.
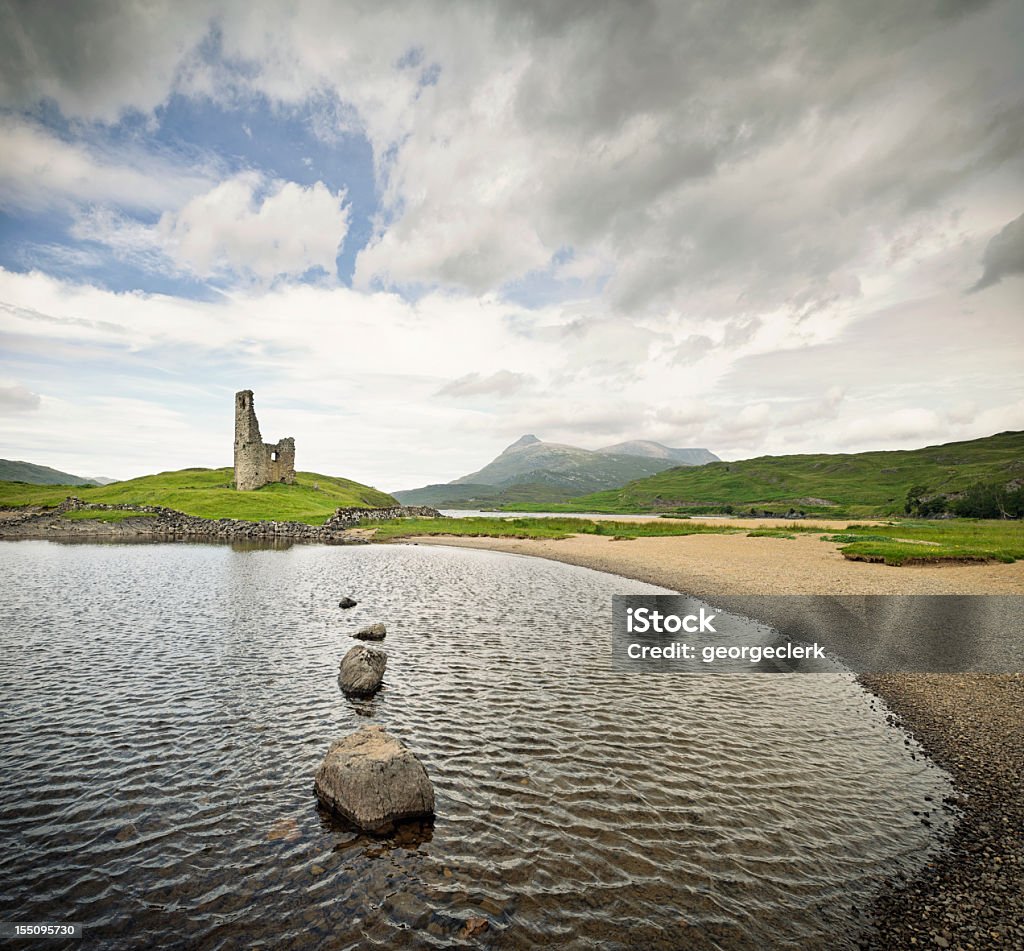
746	150
1004	255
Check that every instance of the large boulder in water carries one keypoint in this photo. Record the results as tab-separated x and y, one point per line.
372	779
374	632
362	670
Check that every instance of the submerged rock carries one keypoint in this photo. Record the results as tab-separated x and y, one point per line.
474	927
286	830
347	602
372	779
374	632
362	670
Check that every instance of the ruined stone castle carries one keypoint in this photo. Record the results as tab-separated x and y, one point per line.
258	462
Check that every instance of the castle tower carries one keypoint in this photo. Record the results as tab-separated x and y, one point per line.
257	462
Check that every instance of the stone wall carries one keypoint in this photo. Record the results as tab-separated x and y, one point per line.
348	517
153	521
258	462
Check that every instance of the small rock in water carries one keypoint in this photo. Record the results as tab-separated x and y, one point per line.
375	632
126	832
372	779
284	829
362	670
474	927
347	603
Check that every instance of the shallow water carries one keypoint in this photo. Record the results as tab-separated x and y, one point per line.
166	706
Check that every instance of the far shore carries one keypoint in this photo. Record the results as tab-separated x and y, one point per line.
708	565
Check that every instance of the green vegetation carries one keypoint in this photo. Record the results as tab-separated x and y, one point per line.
907	543
539	527
895	543
209	493
99	515
859	485
990	501
12	470
845	538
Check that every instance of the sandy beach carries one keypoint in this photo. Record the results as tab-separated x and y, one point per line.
708	565
970	897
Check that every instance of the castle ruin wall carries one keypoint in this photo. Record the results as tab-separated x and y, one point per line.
258	463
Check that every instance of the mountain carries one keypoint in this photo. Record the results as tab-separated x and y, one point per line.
13	471
856	483
655	450
534	472
487	497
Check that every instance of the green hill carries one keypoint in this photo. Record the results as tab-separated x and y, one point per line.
862	483
209	493
12	470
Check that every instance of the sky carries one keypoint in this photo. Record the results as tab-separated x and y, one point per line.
420	230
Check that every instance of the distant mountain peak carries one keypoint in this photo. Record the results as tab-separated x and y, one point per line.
528	440
655	450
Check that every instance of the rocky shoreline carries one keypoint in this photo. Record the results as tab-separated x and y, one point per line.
156	522
971	895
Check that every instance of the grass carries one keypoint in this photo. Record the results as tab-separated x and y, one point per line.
538	528
898	543
845	538
842	485
209	493
98	515
917	542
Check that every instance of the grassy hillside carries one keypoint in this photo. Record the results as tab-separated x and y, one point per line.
11	470
209	493
857	484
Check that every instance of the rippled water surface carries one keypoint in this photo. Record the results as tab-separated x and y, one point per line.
165	708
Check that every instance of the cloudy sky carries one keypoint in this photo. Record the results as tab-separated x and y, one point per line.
419	230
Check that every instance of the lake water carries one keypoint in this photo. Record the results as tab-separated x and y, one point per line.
165	707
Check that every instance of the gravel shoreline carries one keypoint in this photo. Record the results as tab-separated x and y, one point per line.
970	896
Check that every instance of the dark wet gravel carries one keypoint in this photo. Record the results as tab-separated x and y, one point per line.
972	895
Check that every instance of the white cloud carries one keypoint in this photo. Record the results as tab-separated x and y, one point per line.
382	418
39	171
244	225
911	425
